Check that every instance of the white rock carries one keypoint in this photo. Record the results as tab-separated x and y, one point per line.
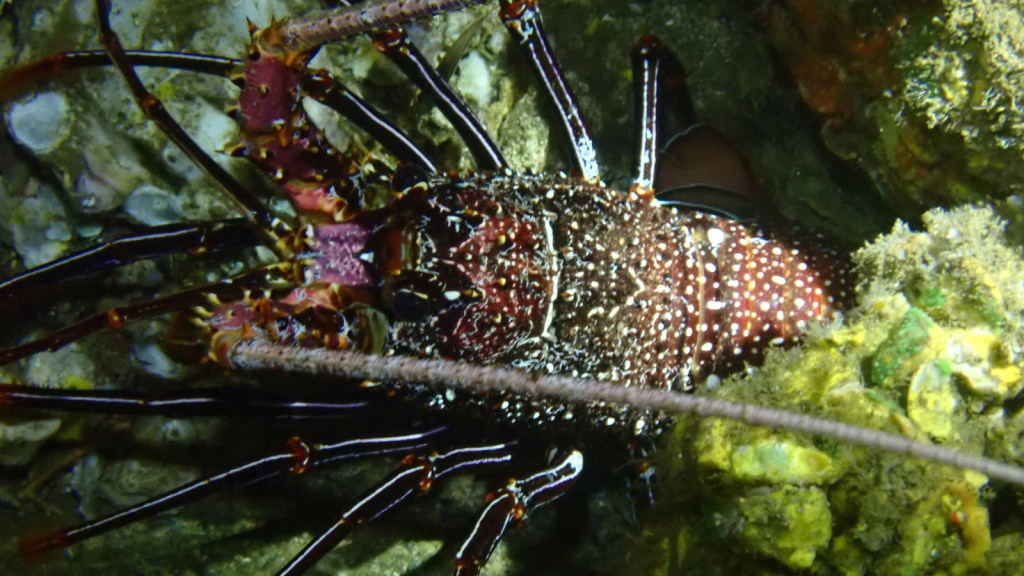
67	367
153	206
155	362
40	123
474	79
19	442
40	228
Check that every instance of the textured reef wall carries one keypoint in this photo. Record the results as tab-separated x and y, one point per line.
926	96
933	352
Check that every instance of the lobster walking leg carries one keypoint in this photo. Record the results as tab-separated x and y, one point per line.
151	106
236	402
415	476
395	44
523	20
514	502
231	289
324	88
156	241
297	457
24	78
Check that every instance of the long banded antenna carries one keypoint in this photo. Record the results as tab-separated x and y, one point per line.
256	355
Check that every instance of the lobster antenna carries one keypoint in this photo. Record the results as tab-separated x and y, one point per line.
325	26
255	355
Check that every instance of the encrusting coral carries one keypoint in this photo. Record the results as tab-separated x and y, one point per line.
927	97
932	352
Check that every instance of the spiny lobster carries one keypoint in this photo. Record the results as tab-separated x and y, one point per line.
550	274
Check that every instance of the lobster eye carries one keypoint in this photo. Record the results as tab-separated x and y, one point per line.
408	176
410	306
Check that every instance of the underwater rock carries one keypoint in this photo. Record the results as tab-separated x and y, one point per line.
70	367
906	340
39	226
129	482
20	440
789	524
473	80
40	123
152	206
932	401
981	363
155	361
768	460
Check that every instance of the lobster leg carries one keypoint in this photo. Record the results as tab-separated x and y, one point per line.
523	20
323	88
151	106
185	403
514	502
395	44
23	79
297	457
153	242
415	476
231	289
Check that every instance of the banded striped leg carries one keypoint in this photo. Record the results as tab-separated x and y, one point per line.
296	457
151	106
682	162
157	241
523	20
395	44
24	78
515	502
324	88
415	476
236	402
227	290
653	65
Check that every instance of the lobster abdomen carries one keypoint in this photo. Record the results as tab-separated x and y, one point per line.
565	277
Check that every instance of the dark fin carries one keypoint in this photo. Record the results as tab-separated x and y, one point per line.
701	169
718	201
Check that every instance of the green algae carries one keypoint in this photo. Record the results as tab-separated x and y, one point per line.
906	339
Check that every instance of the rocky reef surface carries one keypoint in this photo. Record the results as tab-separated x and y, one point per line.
933	352
925	96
